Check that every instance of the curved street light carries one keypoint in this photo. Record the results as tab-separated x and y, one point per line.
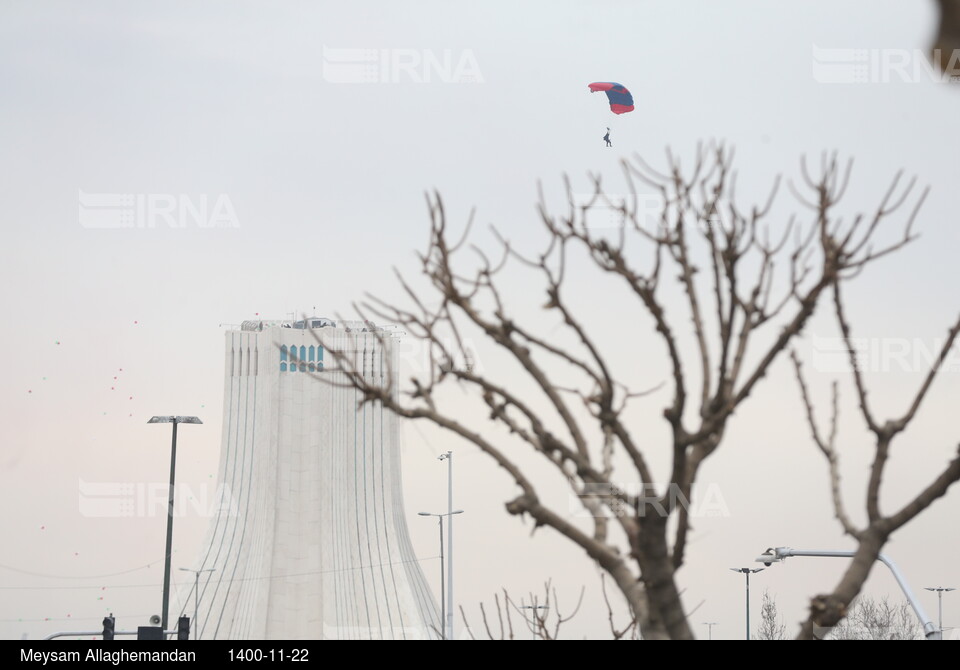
778	554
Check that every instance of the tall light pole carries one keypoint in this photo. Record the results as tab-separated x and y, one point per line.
709	625
775	555
939	590
443	602
536	618
196	600
747	572
175	420
448	457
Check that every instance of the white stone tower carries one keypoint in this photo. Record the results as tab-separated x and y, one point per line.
313	543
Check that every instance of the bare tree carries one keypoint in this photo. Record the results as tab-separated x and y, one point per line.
504	631
630	631
827	609
771	625
543	617
747	287
872	619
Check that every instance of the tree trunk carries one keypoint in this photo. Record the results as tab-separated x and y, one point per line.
657	574
826	610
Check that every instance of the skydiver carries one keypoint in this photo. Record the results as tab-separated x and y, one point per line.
606	138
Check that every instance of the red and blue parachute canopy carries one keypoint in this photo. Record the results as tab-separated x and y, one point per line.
620	99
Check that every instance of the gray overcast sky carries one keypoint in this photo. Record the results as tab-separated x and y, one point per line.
237	100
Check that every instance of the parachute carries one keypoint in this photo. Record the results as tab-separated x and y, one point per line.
620	99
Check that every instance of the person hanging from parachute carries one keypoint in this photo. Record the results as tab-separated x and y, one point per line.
620	99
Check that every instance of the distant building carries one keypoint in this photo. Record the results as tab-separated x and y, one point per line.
312	542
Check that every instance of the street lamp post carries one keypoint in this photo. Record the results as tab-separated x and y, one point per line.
536	619
939	590
448	622
709	625
196	599
747	572
175	420
776	555
443	602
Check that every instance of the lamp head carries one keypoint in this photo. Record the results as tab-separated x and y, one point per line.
174	419
769	557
